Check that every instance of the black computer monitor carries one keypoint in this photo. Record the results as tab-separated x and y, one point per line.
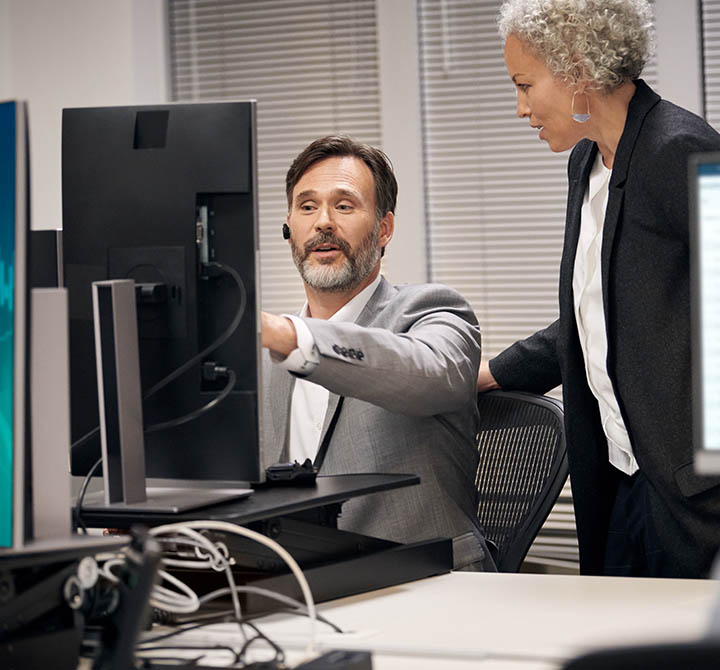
15	461
167	195
704	183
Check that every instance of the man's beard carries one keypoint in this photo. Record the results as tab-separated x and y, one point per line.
355	266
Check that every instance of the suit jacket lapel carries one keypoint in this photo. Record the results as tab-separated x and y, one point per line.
281	389
577	185
382	293
641	103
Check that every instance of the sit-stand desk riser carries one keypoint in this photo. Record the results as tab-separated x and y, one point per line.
304	520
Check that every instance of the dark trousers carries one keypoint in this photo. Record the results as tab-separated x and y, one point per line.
633	548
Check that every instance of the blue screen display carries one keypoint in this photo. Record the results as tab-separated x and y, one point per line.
7	329
708	275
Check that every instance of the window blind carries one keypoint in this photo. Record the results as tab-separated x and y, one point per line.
495	198
312	67
495	193
711	60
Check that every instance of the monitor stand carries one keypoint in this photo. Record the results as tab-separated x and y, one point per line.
121	416
165	500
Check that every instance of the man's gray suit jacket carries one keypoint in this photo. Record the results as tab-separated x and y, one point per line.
402	382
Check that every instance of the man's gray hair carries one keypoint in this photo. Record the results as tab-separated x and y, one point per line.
605	42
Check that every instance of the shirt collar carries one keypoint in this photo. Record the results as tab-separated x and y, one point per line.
599	176
350	311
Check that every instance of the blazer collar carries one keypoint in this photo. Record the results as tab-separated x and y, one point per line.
378	299
281	385
382	295
578	175
641	103
643	100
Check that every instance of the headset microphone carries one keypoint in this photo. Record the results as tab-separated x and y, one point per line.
286	231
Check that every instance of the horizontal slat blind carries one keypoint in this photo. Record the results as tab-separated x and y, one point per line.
312	67
495	194
495	198
711	60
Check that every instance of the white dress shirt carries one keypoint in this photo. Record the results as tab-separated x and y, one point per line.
310	401
590	316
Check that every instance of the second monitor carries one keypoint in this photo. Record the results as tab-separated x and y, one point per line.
167	196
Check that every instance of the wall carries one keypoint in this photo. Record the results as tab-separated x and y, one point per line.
75	53
677	24
406	261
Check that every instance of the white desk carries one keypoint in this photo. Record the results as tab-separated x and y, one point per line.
497	621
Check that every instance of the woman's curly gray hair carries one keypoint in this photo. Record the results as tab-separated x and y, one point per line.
605	42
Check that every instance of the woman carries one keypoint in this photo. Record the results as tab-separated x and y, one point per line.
621	345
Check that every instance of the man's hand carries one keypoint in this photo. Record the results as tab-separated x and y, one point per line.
486	382
278	334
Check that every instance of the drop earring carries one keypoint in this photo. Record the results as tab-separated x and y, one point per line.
580	118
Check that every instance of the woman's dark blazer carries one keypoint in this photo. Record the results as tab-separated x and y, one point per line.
645	282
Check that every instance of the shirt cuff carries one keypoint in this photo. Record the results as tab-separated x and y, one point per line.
305	358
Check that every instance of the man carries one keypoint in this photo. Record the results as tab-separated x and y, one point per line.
371	377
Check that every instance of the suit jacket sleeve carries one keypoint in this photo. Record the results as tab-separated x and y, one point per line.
530	364
419	357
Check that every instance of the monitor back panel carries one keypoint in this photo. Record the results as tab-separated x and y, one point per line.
136	183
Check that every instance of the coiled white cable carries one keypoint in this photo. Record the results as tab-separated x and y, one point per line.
185	602
218	562
226	527
194	559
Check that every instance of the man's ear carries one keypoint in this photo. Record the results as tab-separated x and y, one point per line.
387	227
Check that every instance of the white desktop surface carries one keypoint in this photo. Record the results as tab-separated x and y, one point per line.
497	621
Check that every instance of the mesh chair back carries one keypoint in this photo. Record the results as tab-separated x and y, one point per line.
522	469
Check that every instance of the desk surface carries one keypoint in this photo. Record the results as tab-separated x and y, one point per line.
499	621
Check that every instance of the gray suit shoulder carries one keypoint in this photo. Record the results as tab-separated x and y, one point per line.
408	303
440	294
428	288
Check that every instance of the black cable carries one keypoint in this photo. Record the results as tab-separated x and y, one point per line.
173	423
85	438
287	610
280	610
224	337
81	495
183	647
279	653
147	643
154	428
223	618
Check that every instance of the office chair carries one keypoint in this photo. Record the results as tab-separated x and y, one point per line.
522	469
